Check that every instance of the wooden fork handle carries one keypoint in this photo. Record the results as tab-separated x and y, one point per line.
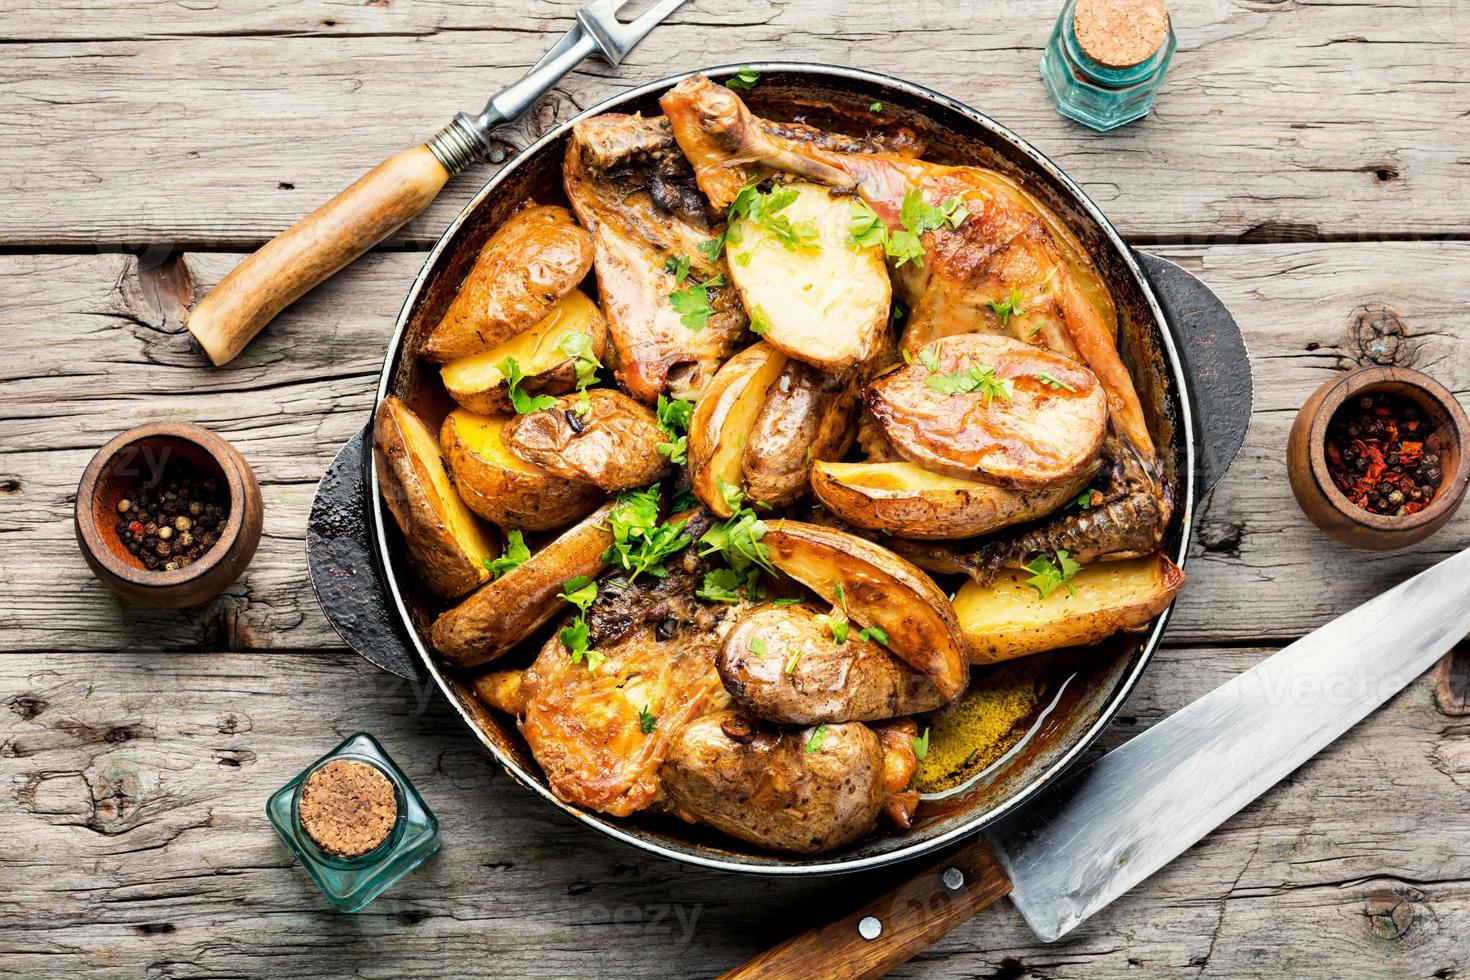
890	929
314	249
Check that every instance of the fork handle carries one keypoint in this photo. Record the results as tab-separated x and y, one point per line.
321	243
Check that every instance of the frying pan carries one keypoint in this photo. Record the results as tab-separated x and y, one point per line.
1185	352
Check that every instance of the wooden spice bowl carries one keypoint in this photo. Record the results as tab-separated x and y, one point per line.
141	453
1328	507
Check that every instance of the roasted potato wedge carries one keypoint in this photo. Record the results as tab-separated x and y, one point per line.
808	416
503	690
723	418
1008	618
912	502
613	446
446	543
786	790
504	612
1039	418
878	589
534	259
475	380
782	664
500	486
823	303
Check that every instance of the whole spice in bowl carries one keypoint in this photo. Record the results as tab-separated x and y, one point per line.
168	515
1376	458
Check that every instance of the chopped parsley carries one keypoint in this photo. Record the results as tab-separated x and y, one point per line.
523	403
692	302
977	377
715	247
788	602
1036	327
514	556
875	107
918	216
580	592
578	346
758	647
865	229
738	539
678	267
743	80
721	585
646	722
640	542
1009	308
874	633
790	669
819	735
1047	576
1084	499
673	421
921	745
683	500
764	209
837	625
760	324
1053	382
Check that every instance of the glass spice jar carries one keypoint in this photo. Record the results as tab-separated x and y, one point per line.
1106	60
355	822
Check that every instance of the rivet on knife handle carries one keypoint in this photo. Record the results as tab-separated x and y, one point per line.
382	200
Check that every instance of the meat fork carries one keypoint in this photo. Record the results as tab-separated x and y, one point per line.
382	200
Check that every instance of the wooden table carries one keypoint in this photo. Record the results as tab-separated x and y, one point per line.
1307	159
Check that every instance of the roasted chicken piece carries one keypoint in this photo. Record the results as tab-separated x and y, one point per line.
601	732
1002	270
634	192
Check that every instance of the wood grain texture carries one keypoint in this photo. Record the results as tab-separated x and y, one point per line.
106	350
137	844
312	250
130	122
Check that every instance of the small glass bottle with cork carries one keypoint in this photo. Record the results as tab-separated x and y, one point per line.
355	822
1106	60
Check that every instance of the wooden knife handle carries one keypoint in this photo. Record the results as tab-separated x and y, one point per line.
890	929
314	249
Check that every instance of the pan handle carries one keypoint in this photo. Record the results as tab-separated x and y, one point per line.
892	928
345	574
1217	367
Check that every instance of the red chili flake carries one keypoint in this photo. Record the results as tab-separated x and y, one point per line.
1372	462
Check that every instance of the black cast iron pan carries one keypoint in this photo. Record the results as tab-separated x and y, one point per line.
1185	352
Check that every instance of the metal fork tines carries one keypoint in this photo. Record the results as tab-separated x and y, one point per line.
614	39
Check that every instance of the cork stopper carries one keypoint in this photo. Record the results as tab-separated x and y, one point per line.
347	808
1120	33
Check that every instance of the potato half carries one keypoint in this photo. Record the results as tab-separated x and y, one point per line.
502	487
534	259
446	543
1008	618
476	383
913	502
1041	420
613	445
825	304
878	589
809	415
722	421
506	611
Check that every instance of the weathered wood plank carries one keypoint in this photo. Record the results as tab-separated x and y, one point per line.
137	844
218	125
105	350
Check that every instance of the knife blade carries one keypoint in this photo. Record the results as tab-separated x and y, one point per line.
1103	830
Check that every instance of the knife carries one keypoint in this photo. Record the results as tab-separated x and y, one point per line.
1109	826
382	200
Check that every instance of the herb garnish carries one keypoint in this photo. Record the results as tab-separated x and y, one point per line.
758	647
837	624
977	377
874	633
1084	499
760	324
514	556
1048	576
788	602
646	722
865	229
921	745
790	668
763	209
875	107
721	585
1054	383
580	592
692	302
640	542
578	346
523	403
673	421
738	541
1011	307
819	735
743	80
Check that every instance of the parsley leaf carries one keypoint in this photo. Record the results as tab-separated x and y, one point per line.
874	633
760	324
646	722
514	556
673	421
974	378
758	647
581	592
1048	576
578	346
523	403
790	669
921	745
1055	383
929	357
1009	308
864	228
875	107
678	267
763	209
819	735
714	248
904	246
743	80
720	585
640	542
692	305
837	625
788	602
1084	499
